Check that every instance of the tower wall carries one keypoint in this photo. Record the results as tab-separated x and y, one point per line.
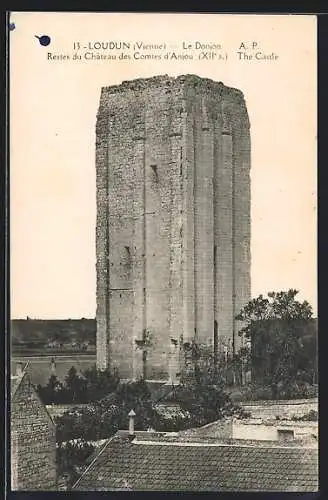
168	222
242	216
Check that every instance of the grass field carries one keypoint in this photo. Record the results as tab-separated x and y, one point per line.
40	370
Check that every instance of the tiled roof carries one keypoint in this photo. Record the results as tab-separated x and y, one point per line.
14	383
150	462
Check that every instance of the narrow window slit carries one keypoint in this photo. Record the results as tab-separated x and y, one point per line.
154	169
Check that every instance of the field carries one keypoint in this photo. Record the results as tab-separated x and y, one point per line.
40	369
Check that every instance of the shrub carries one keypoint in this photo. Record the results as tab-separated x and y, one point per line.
170	419
297	390
99	383
237	396
311	416
93	422
205	402
253	392
101	419
136	396
53	392
263	393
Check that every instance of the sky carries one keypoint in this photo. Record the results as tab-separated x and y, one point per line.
53	107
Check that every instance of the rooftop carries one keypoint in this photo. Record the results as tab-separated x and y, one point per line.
15	379
175	462
14	383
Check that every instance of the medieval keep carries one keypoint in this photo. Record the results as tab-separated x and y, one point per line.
173	221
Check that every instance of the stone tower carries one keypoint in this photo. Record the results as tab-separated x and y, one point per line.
173	220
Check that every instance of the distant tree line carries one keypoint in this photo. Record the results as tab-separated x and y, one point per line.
90	385
33	333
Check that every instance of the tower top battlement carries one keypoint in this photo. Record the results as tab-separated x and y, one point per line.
195	81
188	88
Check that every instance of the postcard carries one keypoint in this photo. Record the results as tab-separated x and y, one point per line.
163	187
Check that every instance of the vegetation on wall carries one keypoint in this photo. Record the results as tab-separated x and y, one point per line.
145	345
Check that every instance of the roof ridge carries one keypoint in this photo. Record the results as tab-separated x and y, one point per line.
19	379
263	445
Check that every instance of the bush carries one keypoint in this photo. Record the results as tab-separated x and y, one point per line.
100	420
311	416
53	392
170	419
297	390
99	383
134	396
263	393
237	396
93	422
253	392
205	402
193	405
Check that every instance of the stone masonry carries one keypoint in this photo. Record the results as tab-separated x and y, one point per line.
33	439
173	220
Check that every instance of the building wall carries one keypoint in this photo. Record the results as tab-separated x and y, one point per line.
33	441
170	153
283	409
262	431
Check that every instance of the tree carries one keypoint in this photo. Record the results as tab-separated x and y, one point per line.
201	393
92	385
99	383
274	325
75	385
101	419
278	305
51	393
135	396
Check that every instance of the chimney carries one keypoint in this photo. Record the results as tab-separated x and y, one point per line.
19	369
131	422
